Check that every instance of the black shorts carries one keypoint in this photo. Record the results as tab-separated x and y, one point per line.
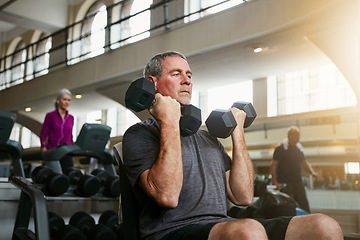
275	230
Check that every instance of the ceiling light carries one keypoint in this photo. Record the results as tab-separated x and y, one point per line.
78	96
28	109
257	49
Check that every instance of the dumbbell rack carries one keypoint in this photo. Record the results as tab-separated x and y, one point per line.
33	201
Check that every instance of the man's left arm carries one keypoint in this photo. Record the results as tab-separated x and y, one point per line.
308	168
240	178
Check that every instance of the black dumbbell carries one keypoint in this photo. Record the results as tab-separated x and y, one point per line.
111	219
221	123
86	185
86	224
141	93
52	183
110	183
60	231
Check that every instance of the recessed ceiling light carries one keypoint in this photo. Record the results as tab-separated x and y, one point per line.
257	49
28	109
78	96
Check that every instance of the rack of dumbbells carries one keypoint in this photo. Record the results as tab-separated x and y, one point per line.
49	182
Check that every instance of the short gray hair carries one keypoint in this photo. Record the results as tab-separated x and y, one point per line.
292	129
59	96
154	67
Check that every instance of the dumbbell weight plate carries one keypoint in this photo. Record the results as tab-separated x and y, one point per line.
70	233
220	123
109	218
100	232
88	185
60	231
112	186
57	184
110	182
55	223
82	221
39	174
190	120
73	174
140	95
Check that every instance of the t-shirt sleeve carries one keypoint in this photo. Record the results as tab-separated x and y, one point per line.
140	150
277	154
226	157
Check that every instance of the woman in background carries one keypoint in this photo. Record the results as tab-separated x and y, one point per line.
57	127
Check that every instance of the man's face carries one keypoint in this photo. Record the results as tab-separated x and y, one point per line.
175	80
293	136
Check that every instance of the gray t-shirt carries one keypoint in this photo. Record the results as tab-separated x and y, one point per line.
203	195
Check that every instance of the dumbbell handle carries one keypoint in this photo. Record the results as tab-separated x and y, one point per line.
248	109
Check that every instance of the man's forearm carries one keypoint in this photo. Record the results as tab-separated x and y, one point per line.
164	180
241	176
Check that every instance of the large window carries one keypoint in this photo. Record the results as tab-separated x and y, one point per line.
309	90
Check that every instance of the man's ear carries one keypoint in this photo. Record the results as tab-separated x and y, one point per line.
153	80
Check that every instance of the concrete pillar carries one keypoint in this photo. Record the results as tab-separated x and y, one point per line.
260	96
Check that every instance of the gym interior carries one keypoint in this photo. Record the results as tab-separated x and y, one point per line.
297	62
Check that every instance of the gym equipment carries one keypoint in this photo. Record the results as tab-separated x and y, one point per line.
10	148
52	183
221	123
86	224
60	231
129	207
31	198
111	219
110	183
140	95
86	185
91	142
270	204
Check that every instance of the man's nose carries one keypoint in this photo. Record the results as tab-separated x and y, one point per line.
186	80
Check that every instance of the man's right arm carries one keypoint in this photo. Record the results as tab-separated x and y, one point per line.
163	181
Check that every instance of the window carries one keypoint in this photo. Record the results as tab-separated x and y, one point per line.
223	97
92	39
136	27
42	56
24	136
18	64
140	23
98	32
352	168
218	6
309	90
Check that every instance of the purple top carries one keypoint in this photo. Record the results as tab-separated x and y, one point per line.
56	131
